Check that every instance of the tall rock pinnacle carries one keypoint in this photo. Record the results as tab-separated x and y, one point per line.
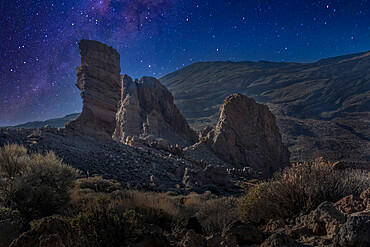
100	85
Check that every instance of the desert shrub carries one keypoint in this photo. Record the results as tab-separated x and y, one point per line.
105	225
97	184
86	190
253	205
301	188
216	214
156	208
36	185
138	199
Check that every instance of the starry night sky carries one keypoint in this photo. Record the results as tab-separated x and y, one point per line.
39	50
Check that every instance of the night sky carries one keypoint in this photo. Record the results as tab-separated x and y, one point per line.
39	50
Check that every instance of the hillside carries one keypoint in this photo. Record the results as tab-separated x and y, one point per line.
54	123
322	108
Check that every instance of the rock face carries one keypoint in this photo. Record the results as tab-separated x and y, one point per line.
246	135
100	85
147	109
116	106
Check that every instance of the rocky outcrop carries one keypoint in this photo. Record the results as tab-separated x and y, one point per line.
100	85
147	109
246	135
330	224
241	234
116	106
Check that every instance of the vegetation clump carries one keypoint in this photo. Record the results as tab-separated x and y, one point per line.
94	211
105	225
300	189
34	184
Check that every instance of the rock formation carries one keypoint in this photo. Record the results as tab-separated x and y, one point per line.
116	106
100	85
147	109
246	135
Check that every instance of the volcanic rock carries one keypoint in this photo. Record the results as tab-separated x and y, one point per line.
246	135
351	204
243	234
99	82
355	232
147	109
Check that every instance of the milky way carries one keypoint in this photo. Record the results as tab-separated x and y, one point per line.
39	51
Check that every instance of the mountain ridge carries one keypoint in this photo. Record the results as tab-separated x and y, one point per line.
325	102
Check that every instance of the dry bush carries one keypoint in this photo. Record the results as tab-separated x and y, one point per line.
105	224
216	214
194	199
301	188
86	190
97	184
139	199
36	185
156	208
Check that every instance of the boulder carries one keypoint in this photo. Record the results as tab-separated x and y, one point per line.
247	135
355	232
9	230
325	220
351	204
98	78
147	109
192	239
240	233
279	240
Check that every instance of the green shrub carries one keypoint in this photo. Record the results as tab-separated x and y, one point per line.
36	185
301	188
105	225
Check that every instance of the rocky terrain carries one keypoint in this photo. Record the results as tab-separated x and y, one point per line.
145	178
132	131
322	108
134	167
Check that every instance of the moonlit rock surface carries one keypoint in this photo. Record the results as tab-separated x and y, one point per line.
100	85
246	135
147	109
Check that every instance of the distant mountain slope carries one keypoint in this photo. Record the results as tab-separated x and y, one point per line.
55	122
323	108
